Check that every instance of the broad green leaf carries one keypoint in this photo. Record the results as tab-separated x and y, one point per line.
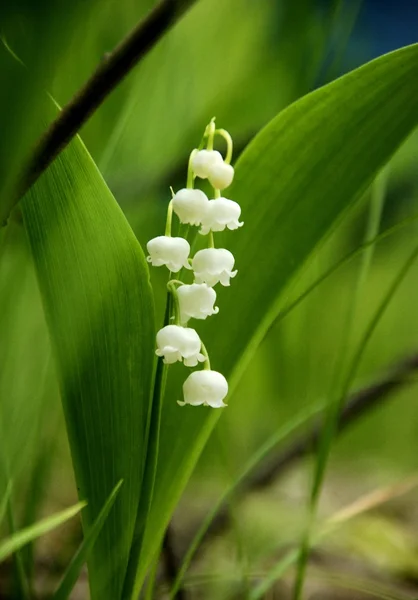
98	303
72	573
295	181
21	538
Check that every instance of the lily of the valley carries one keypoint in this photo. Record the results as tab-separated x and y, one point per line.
213	265
170	251
175	343
204	161
196	301
221	213
205	387
190	205
221	175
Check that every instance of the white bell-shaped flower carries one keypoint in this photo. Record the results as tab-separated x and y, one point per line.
179	343
221	213
221	175
170	251
205	387
212	265
204	160
190	205
196	301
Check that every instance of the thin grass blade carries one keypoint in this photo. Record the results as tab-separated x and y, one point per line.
74	569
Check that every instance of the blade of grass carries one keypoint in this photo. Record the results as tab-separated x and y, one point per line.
23	537
74	569
21	585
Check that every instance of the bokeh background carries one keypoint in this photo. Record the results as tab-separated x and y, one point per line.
243	61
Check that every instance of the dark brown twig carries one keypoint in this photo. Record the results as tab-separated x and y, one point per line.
357	405
114	67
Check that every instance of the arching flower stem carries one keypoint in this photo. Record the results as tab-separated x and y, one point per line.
210	132
229	144
190	174
206	364
171	286
169	219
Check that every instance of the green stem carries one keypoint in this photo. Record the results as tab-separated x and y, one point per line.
176	281
173	291
190	175
206	364
169	219
211	240
133	577
210	131
216	193
229	144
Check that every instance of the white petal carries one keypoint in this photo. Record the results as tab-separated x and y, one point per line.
190	205
221	213
177	343
221	175
170	251
210	264
204	160
196	301
205	387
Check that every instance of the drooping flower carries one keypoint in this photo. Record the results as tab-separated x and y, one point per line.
175	343
190	205
205	387
211	265
221	175
170	251
221	213
204	160
196	301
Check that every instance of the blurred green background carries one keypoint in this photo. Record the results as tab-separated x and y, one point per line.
242	61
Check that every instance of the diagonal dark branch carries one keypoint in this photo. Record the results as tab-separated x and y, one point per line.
358	405
114	67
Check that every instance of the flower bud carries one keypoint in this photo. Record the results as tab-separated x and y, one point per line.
196	301
177	343
221	175
170	251
190	205
212	265
204	160
205	387
221	213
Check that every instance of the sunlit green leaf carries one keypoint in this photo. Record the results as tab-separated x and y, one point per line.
98	303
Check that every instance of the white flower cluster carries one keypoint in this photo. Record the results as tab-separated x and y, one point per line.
210	266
